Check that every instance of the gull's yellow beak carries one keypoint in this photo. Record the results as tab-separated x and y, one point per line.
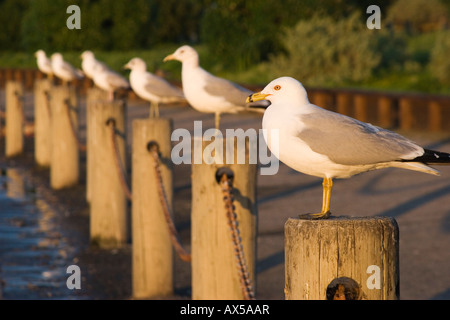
256	97
169	57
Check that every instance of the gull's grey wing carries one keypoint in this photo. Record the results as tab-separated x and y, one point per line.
116	80
228	90
347	141
161	87
72	70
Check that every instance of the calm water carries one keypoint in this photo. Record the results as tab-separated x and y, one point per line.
34	255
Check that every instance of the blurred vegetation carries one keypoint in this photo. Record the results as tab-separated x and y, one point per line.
319	42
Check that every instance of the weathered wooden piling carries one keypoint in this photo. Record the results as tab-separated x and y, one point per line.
64	163
108	210
152	252
42	116
14	123
214	267
342	258
94	95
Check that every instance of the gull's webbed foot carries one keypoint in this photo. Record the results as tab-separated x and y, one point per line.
315	216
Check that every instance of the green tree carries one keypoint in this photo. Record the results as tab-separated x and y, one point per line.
241	33
417	16
439	61
10	16
322	51
105	24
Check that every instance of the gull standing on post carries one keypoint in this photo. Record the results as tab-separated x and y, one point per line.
151	87
329	145
110	81
44	64
206	92
89	64
64	70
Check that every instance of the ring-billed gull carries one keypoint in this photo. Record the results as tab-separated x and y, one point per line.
64	70
151	87
329	145
89	64
44	64
110	81
206	92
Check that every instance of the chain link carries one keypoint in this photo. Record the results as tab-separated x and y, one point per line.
244	276
182	253
118	164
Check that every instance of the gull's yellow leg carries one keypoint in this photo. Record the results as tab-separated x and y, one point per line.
325	213
217	118
156	109
154	112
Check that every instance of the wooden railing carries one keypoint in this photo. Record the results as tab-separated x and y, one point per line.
406	111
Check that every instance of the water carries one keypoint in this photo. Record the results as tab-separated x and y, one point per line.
34	254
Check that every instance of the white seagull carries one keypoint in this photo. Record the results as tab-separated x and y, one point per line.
151	87
44	64
329	145
89	64
110	81
64	70
206	92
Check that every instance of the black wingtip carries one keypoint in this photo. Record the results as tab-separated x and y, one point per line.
433	157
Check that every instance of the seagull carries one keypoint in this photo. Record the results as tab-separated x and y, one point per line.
151	87
206	92
44	64
329	145
89	64
64	70
110	81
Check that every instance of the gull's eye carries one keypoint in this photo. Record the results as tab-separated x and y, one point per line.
277	87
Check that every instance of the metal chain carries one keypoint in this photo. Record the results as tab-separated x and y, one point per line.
20	103
120	170
81	146
182	253
47	103
244	276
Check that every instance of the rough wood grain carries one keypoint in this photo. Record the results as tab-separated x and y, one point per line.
319	252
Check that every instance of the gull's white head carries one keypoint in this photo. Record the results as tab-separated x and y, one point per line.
40	53
285	90
184	54
136	64
87	55
57	57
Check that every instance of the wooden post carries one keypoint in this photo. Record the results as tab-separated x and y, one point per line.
324	100
342	258
93	96
361	107
406	116
344	104
386	114
42	116
108	219
14	142
152	254
214	267
435	117
64	163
